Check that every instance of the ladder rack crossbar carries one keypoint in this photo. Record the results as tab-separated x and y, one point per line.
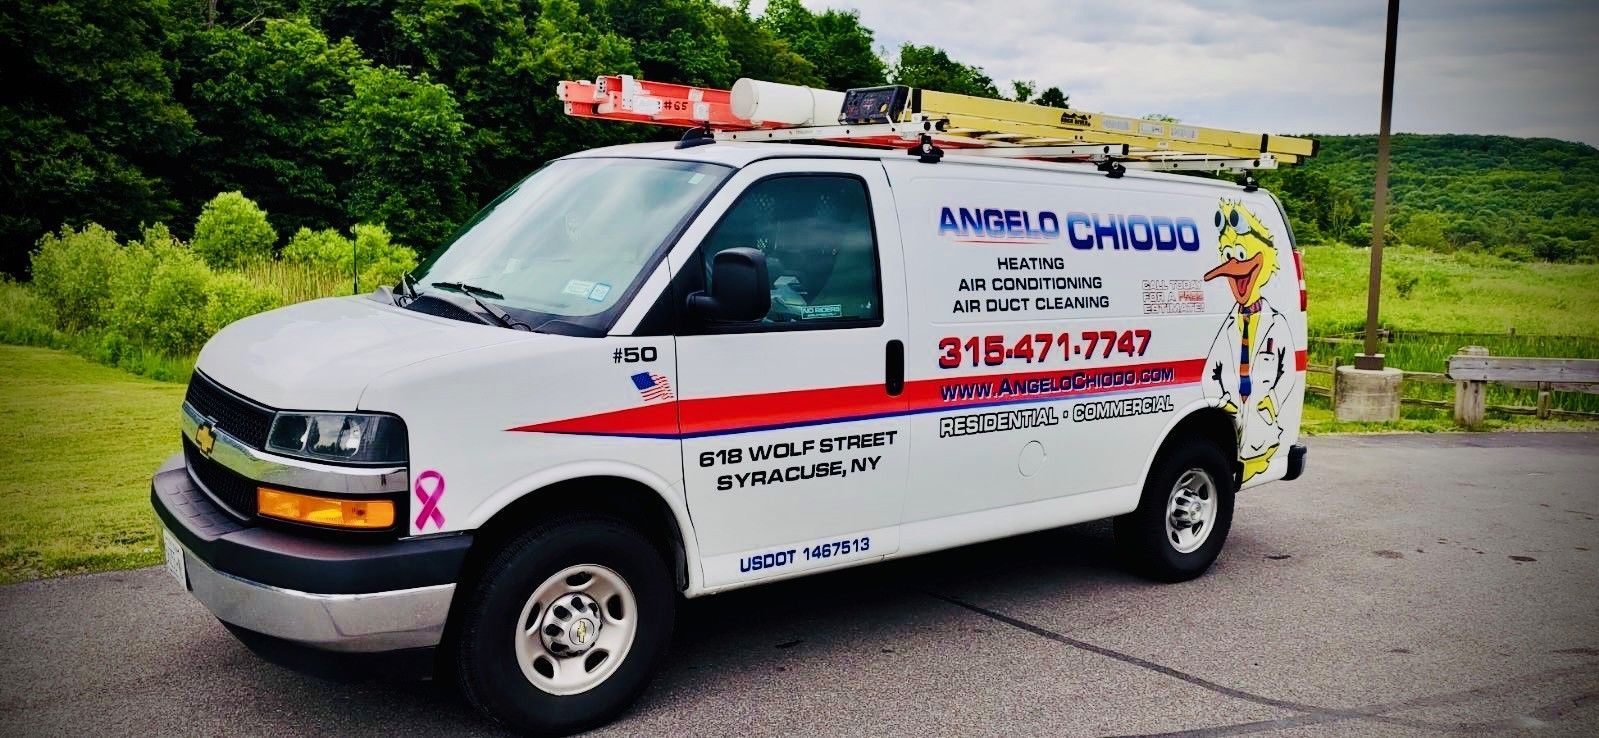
1059	151
1263	161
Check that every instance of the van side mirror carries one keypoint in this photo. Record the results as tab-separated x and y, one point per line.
740	289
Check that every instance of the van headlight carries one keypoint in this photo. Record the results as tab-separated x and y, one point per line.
349	438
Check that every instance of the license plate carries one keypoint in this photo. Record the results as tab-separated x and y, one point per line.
174	557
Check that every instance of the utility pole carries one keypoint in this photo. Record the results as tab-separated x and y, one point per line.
1371	359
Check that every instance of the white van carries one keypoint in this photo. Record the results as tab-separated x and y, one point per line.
653	371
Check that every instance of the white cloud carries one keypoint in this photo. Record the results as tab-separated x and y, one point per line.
1465	66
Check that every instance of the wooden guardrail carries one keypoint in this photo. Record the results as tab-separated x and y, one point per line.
1472	369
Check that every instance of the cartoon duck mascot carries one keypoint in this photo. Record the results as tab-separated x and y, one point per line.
1248	372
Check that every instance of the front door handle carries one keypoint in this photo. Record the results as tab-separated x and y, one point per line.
894	371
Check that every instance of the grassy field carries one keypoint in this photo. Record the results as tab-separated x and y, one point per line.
1450	301
78	442
1451	293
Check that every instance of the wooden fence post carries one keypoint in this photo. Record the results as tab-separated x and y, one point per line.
1543	400
1332	389
1470	396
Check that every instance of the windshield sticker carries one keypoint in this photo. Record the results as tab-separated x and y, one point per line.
811	312
696	179
599	291
579	287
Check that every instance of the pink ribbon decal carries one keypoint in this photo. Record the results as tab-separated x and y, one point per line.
429	499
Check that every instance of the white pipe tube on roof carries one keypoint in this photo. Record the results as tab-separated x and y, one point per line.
773	102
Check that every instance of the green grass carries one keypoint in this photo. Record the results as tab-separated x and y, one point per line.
78	443
1318	420
299	282
1451	293
1455	300
1431	352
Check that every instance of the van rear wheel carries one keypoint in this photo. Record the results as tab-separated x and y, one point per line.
566	626
1183	515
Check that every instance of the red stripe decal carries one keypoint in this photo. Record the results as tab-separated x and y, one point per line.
798	407
742	413
656	419
1301	359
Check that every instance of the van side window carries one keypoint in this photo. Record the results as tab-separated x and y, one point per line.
816	233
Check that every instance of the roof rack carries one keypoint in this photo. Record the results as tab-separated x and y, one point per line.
926	123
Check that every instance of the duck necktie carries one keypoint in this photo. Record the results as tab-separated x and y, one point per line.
1245	313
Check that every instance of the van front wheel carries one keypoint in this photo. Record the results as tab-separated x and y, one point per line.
1183	516
565	627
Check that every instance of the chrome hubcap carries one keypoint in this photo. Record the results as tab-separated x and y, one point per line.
1191	510
576	629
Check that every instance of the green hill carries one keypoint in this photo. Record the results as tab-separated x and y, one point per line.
1526	198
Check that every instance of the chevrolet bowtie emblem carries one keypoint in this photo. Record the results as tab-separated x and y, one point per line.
205	439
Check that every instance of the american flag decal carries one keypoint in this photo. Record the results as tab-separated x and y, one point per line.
652	387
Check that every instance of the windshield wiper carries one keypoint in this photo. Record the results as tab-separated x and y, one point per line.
408	285
499	316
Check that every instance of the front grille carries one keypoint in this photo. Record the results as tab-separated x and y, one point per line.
232	414
236	493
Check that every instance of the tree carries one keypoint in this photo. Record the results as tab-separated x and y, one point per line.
87	114
759	53
405	143
1307	197
563	43
1343	214
233	230
1424	230
71	270
1464	231
1022	90
476	48
674	40
267	105
1054	98
501	60
1161	117
833	40
928	67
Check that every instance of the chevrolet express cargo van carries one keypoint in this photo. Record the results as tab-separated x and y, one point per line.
650	372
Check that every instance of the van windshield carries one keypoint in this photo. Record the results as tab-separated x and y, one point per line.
570	240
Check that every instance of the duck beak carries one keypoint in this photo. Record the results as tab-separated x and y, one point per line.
1241	272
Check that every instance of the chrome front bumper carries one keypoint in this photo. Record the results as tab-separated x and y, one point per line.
372	622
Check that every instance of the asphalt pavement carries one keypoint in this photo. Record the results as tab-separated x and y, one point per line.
1407	585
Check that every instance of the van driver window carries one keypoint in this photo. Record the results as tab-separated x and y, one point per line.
816	233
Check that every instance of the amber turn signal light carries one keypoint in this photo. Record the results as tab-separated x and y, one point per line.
326	511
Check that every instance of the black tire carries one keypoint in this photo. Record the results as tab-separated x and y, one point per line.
485	662
1142	535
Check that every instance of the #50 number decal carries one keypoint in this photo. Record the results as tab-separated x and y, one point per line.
1035	348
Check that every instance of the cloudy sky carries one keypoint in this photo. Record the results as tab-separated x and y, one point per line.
1523	68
